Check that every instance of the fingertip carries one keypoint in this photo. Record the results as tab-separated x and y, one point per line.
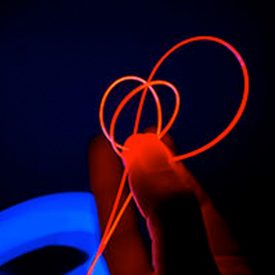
167	139
146	152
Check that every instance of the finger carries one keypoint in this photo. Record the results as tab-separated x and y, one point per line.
126	252
162	190
146	159
167	139
186	175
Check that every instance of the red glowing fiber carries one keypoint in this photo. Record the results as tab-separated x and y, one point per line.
143	88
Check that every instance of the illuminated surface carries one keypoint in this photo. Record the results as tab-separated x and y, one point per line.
149	84
65	219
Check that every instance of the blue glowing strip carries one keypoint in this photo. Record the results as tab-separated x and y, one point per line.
66	219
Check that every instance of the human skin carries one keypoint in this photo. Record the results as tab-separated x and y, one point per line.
188	234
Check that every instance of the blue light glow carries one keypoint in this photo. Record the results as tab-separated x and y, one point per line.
66	219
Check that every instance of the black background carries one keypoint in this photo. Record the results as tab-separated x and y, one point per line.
58	57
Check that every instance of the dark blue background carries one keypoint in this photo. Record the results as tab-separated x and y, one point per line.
58	57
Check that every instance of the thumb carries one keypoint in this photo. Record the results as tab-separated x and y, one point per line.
153	176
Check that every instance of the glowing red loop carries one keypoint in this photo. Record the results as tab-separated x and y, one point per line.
143	87
149	85
160	133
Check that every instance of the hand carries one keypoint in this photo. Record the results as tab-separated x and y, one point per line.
174	206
